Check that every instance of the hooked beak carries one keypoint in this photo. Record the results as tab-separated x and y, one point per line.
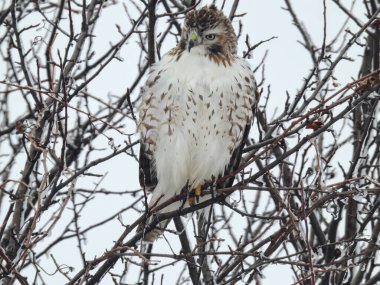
193	40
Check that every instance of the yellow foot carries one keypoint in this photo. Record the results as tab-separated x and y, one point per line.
191	201
194	196
198	192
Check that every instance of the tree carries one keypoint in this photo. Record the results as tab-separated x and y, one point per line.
295	199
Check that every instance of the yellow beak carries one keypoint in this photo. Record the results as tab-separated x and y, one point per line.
193	40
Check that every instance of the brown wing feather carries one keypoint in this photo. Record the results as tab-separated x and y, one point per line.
147	169
238	152
235	159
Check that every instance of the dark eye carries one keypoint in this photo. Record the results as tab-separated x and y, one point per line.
210	37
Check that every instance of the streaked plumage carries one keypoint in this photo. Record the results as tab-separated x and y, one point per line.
195	107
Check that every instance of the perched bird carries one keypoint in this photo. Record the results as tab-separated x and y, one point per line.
196	106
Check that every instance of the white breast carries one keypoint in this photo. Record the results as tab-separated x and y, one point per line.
193	116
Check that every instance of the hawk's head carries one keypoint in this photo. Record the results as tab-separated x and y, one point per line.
209	32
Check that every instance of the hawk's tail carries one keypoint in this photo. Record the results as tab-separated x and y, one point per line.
150	234
152	229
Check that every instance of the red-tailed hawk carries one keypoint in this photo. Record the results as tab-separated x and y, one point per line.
195	108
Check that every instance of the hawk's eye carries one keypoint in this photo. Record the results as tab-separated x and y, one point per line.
210	37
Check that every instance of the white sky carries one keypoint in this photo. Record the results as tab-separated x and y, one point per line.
286	66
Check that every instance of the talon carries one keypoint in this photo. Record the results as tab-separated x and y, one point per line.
198	192
191	201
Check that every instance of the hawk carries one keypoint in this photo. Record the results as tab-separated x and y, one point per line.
196	107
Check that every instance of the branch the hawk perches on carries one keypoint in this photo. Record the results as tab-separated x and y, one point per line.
196	108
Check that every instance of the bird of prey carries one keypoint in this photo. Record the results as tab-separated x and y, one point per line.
195	108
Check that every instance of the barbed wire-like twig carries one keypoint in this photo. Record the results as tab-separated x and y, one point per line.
296	200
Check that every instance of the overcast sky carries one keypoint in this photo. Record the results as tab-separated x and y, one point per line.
286	65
